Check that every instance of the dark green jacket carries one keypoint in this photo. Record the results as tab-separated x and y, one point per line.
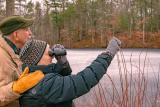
55	88
62	69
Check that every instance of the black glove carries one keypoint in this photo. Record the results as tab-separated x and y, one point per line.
60	53
62	62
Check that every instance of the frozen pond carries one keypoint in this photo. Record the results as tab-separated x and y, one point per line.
132	78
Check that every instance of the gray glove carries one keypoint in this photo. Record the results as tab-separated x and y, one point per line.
113	46
60	58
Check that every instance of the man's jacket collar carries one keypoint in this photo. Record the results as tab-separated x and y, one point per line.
12	45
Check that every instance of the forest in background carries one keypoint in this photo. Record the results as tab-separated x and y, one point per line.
90	23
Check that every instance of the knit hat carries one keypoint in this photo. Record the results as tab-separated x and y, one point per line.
13	23
32	51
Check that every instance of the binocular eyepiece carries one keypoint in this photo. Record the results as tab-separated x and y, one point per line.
57	52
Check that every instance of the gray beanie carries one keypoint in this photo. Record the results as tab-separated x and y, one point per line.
32	51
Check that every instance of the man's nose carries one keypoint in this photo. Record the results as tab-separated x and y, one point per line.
30	32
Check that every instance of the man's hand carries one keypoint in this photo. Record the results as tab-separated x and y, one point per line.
113	46
27	80
60	49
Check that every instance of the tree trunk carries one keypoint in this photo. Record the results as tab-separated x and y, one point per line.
10	6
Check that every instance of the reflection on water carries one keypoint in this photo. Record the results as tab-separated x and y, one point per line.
132	75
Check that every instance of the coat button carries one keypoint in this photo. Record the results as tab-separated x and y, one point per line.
34	91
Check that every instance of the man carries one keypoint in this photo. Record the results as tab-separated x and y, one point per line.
13	82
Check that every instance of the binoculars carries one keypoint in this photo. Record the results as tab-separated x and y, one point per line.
57	52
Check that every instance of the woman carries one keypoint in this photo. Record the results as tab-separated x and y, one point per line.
37	52
55	89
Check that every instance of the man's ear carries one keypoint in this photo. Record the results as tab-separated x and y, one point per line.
15	36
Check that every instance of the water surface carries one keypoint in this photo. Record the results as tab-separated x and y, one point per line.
134	70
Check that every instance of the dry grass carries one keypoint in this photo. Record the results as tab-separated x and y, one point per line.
152	40
133	87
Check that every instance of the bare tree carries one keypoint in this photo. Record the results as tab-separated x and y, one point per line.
20	6
2	10
10	7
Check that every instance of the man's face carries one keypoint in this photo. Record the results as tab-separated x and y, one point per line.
22	35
